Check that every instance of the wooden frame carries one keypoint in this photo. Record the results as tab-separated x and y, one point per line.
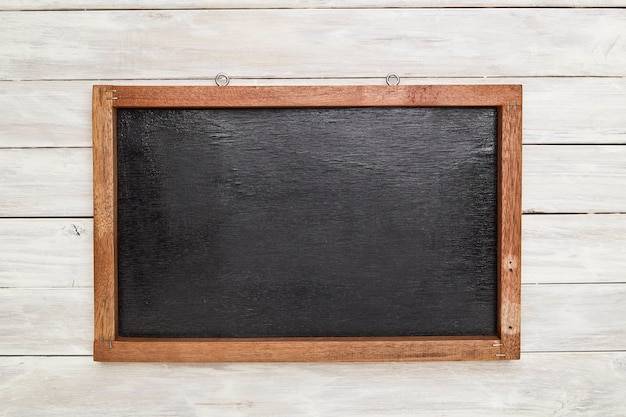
109	346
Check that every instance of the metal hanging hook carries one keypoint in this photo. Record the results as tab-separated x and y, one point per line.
222	79
392	79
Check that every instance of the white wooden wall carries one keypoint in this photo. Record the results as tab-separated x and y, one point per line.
570	55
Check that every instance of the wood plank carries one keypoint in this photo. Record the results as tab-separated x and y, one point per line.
45	114
46	182
571	384
555	317
557	110
46	321
46	253
313	43
289	4
510	227
574	110
105	215
573	248
574	179
556	179
305	350
584	317
312	96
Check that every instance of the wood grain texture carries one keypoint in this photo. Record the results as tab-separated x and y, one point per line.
564	384
45	182
556	179
46	253
574	179
43	114
582	317
47	321
315	96
301	350
288	4
332	42
556	111
510	225
594	316
575	111
573	248
105	215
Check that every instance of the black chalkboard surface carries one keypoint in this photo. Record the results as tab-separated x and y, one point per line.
307	223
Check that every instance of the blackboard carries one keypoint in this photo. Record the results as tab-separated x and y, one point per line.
287	222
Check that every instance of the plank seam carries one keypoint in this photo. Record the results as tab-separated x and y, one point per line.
525	284
131	9
534	352
531	212
525	213
43	217
381	77
45	356
45	147
524	352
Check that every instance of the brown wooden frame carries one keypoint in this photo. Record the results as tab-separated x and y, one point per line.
108	346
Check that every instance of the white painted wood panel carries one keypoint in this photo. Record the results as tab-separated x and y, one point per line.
46	182
58	253
574	110
556	110
539	385
45	114
46	253
58	181
583	317
573	248
555	317
312	43
288	4
46	321
574	179
350	42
